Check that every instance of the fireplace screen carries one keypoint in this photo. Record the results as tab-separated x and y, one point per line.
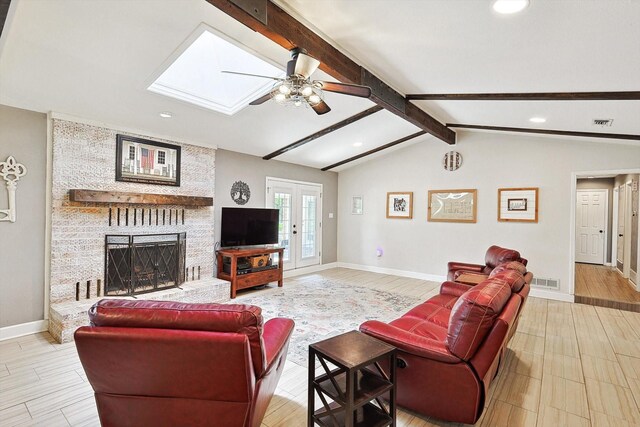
144	263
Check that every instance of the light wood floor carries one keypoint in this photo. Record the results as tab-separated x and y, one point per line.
568	365
598	283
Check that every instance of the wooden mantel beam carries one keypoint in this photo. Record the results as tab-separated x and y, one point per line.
274	23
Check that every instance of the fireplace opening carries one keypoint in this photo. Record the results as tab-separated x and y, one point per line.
137	264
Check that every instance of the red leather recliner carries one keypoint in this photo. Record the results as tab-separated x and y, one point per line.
158	363
494	256
450	348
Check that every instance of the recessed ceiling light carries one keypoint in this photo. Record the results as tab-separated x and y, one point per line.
357	144
166	115
590	177
537	119
507	7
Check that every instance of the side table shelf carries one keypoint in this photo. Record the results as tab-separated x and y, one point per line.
352	394
249	277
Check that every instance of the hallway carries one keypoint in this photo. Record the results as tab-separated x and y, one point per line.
605	287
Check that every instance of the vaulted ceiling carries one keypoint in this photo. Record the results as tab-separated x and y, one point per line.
94	60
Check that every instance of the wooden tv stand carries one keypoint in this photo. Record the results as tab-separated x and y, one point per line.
250	278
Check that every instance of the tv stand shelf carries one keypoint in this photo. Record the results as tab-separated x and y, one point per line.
249	277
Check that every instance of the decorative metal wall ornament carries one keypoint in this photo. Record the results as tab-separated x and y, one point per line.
11	171
452	161
240	192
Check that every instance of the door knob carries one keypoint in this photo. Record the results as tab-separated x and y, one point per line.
619	235
601	231
295	232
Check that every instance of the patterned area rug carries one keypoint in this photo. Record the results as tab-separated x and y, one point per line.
324	308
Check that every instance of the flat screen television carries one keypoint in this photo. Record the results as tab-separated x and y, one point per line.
248	227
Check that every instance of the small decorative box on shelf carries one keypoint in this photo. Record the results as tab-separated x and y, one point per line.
361	392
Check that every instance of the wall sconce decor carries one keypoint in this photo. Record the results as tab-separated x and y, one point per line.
11	171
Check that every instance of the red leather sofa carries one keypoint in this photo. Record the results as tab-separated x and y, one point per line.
154	363
450	347
494	256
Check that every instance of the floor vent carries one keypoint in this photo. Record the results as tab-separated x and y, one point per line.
603	122
545	283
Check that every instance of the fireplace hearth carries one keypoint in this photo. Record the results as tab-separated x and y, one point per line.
137	264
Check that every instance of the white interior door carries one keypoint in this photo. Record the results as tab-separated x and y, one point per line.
299	232
591	225
620	231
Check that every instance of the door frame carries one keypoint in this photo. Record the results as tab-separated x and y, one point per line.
321	217
628	213
614	229
572	217
606	219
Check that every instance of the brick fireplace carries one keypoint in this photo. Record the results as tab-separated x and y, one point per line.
84	158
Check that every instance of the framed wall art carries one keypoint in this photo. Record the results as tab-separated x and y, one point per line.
356	205
400	205
452	205
518	204
148	162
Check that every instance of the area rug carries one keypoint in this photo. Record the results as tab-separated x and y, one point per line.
324	308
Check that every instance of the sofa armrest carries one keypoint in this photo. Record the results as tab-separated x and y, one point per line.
454	288
408	342
276	334
476	268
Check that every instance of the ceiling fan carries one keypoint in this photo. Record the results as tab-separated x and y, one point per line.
298	89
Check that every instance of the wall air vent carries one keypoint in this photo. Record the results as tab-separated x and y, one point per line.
602	122
545	283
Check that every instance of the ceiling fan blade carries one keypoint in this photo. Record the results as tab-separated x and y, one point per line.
345	88
305	65
252	75
321	108
264	98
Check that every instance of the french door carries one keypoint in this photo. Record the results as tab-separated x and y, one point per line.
299	230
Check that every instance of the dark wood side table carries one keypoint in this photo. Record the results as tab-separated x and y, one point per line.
356	393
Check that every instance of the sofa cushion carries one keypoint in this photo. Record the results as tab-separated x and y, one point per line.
421	327
514	279
431	313
512	265
238	318
473	316
446	300
496	255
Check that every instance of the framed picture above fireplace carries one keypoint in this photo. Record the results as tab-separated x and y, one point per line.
147	162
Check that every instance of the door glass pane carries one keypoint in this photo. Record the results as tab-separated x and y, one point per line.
308	226
282	201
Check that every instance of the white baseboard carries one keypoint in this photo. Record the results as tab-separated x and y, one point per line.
608	264
401	273
307	270
557	296
22	329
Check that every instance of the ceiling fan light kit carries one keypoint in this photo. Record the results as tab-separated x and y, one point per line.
298	89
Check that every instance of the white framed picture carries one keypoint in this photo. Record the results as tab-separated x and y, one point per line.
356	205
400	205
518	204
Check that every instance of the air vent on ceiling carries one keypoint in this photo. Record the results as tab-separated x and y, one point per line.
545	283
602	122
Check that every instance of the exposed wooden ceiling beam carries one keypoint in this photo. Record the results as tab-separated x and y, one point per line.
375	150
532	96
4	11
269	20
548	131
325	131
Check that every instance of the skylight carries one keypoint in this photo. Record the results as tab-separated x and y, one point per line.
195	76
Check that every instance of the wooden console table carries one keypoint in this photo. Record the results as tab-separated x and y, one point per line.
248	278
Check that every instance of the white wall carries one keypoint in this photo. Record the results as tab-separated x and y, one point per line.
491	161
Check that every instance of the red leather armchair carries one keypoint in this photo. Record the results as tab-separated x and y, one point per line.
494	256
154	363
450	348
